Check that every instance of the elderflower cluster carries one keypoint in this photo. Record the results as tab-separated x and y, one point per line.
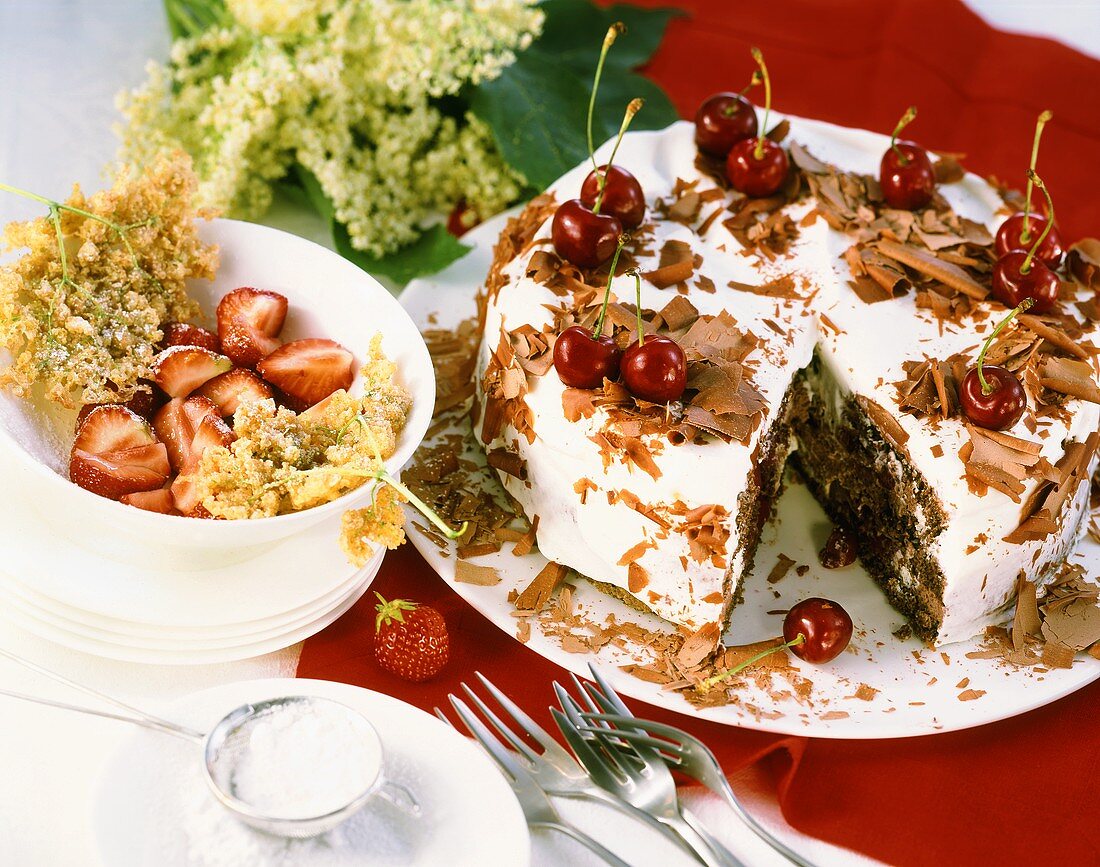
350	91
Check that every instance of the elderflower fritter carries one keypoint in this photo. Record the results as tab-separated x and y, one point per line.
84	319
282	461
347	90
382	522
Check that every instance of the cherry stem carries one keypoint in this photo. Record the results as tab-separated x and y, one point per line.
1033	178
607	290
632	109
758	56
1025	305
638	297
609	39
906	119
1044	118
728	673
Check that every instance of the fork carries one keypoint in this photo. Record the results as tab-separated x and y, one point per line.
680	750
554	770
535	803
638	775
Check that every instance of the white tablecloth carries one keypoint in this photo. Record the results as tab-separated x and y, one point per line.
61	62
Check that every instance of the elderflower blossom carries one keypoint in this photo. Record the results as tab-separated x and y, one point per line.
348	90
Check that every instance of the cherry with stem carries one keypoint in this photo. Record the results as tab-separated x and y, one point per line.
991	396
758	166
906	175
1018	274
725	119
584	358
815	629
655	367
1016	232
612	189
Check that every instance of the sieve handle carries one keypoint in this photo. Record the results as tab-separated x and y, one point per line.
150	723
400	797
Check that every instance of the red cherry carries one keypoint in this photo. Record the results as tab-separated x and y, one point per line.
1011	284
656	369
585	238
907	179
585	361
723	120
757	167
1002	407
1010	237
825	628
462	218
622	195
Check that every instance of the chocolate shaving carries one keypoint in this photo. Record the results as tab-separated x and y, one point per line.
536	594
933	266
1069	376
677	264
481	576
1084	262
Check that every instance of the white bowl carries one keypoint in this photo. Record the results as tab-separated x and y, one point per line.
329	297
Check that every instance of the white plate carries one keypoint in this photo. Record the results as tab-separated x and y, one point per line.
145	806
37	625
181	641
917	689
285	578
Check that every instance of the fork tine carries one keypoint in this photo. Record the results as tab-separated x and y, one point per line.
532	728
568	704
503	757
595	762
630	721
609	691
505	732
640	739
583	693
443	717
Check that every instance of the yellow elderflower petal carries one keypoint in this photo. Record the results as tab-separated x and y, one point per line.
382	523
280	17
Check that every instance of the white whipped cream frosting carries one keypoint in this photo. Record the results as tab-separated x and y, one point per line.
866	358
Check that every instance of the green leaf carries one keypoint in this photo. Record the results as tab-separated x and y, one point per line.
191	17
574	32
537	112
433	251
537	108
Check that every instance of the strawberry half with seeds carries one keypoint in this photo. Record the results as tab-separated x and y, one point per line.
179	370
178	423
143	403
249	322
308	371
159	501
185	334
116	453
410	640
230	390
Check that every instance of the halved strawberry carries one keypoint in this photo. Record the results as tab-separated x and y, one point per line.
185	495
159	500
178	421
185	334
114	474
232	389
249	322
112	427
309	370
212	432
143	403
179	370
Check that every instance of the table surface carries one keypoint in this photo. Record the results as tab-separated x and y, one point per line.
61	63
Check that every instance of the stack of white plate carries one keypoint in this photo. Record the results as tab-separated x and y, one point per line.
136	609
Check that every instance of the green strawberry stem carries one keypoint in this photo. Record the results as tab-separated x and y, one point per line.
1033	178
607	290
390	611
1044	118
1025	305
906	119
728	673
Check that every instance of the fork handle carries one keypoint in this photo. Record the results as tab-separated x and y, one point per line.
607	855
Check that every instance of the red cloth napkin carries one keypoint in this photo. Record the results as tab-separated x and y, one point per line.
1022	791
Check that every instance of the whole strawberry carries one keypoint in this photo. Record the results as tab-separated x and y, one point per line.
410	640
